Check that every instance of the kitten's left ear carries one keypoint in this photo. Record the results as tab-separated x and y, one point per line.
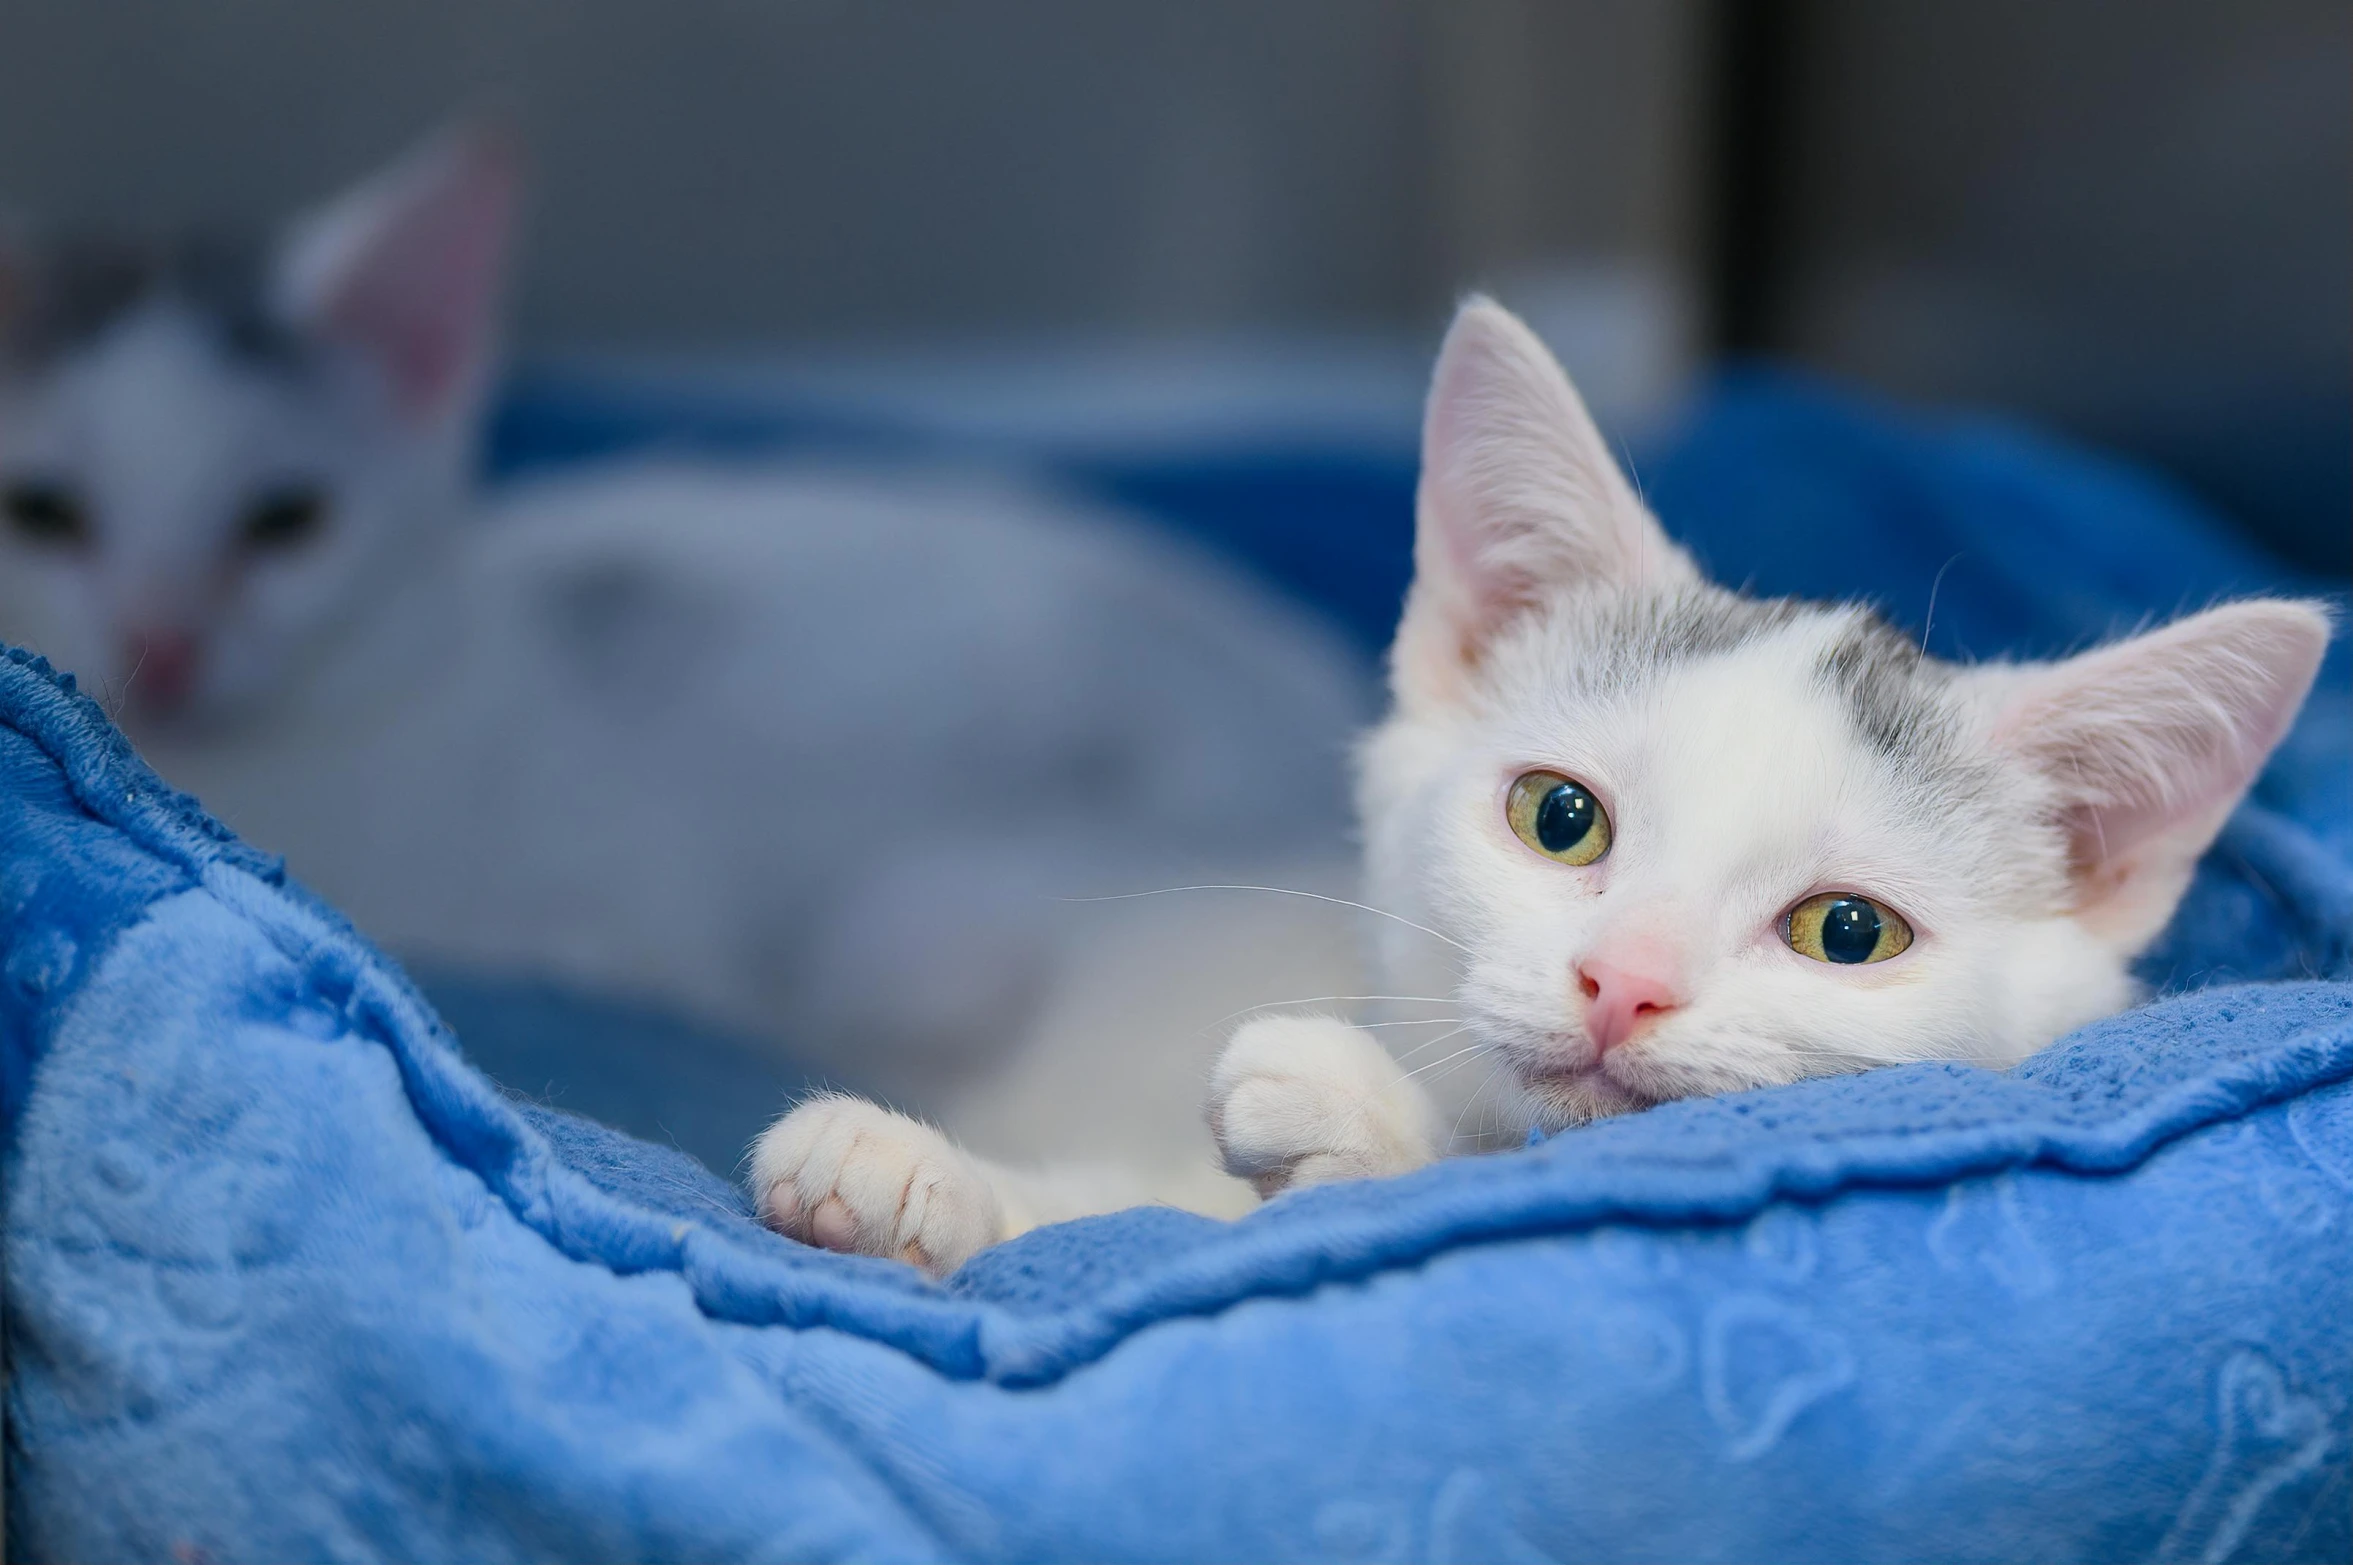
1519	498
406	267
2151	743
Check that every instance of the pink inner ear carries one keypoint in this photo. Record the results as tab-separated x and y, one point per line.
1520	495
1489	439
419	292
2152	742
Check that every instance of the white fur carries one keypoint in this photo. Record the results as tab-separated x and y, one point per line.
846	1174
1737	787
842	1173
2149	744
1735	791
1302	1100
2034	825
167	442
167	437
808	752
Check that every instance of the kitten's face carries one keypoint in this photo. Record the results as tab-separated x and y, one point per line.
209	468
1688	843
183	518
1738	783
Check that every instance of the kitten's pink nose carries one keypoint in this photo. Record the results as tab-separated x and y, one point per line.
163	669
1621	996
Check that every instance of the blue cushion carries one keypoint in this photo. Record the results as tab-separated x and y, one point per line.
286	1278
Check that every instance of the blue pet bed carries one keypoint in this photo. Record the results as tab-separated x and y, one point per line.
287	1278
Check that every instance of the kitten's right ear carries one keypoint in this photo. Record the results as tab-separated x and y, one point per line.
2148	744
1519	497
406	268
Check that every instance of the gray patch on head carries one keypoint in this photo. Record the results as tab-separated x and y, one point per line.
1701	625
1898	700
1641	637
1890	689
1893	696
77	288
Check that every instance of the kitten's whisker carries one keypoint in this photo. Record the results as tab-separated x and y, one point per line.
1421	1070
1838	1051
1326	999
1860	1059
1419	1021
1475	1096
1930	623
1451	1064
1427	1046
1432	1043
1280	891
118	695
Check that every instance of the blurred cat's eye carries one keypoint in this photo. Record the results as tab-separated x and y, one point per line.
45	512
1559	817
284	519
1841	927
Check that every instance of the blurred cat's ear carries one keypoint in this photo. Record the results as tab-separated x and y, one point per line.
2150	743
407	267
1519	498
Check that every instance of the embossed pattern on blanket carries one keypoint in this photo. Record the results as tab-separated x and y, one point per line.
287	1279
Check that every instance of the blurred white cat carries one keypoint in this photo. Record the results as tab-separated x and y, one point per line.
806	752
1643	838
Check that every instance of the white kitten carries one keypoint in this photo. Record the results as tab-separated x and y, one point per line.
221	465
803	751
1657	839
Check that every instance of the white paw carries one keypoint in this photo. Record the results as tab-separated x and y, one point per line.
1303	1100
842	1174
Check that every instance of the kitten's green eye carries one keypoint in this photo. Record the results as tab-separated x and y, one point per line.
1559	817
46	513
284	519
1840	927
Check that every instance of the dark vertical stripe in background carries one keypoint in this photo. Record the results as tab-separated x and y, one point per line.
1752	48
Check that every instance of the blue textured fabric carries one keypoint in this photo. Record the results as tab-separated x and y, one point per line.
287	1279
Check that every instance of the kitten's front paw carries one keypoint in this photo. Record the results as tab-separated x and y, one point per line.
843	1174
1303	1100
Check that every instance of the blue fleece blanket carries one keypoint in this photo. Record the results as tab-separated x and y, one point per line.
287	1279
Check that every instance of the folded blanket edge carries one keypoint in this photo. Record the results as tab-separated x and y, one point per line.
479	1130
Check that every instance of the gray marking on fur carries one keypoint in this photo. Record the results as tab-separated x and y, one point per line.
1639	637
1890	690
1894	696
77	288
1897	699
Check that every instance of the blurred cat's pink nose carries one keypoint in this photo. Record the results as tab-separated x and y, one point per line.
1620	998
162	669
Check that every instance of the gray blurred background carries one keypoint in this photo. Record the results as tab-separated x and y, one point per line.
2132	222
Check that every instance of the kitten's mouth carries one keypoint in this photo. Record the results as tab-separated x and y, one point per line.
1566	1095
1559	1075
